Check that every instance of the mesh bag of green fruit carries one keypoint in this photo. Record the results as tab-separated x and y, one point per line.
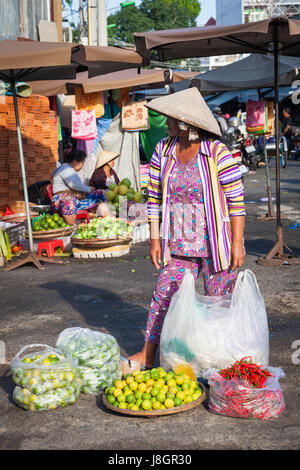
98	354
45	379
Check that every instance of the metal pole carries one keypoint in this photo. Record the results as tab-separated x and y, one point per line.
102	23
279	225
92	22
24	182
270	203
89	23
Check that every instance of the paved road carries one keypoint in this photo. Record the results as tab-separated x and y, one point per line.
37	305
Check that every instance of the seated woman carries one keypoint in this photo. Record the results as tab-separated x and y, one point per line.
69	193
104	174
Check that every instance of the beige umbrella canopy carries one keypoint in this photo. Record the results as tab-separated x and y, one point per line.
106	59
34	60
111	81
272	36
219	40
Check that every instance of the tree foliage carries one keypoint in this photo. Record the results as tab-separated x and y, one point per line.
128	20
153	15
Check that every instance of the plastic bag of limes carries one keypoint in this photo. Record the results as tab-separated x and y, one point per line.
45	379
98	355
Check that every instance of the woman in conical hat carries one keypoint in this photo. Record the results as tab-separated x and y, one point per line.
196	194
104	174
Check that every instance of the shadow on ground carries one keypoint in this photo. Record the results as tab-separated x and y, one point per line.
104	310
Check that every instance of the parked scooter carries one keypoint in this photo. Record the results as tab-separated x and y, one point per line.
251	156
241	144
295	150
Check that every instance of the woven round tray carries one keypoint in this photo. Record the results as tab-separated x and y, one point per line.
155	413
99	242
49	234
19	217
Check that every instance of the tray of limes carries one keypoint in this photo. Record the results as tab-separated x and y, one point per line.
50	226
154	392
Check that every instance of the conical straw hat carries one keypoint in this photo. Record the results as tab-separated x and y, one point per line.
105	156
187	106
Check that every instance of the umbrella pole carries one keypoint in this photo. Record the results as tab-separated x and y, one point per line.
23	172
32	257
276	257
270	214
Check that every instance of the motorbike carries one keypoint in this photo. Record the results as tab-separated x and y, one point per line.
295	150
251	156
241	145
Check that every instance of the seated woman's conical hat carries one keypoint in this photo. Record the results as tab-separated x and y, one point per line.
187	106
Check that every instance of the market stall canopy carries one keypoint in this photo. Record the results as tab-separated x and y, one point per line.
239	75
106	59
122	79
34	60
220	40
111	81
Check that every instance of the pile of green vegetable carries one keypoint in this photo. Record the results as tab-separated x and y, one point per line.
49	222
98	355
45	380
107	227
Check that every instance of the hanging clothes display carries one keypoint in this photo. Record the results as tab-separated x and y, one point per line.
88	101
84	124
157	131
121	96
135	116
262	122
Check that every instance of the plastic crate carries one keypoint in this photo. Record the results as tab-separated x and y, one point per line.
37	193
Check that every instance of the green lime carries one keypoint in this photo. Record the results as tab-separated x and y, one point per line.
138	402
130	398
147	376
161	397
155	375
121	398
138	395
146	396
123	405
177	402
146	405
170	395
111	399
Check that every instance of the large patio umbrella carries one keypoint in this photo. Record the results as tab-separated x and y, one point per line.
110	81
33	60
239	75
272	36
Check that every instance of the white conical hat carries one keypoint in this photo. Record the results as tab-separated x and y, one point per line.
105	156
187	106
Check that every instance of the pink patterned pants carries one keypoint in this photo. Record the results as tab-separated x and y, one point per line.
171	277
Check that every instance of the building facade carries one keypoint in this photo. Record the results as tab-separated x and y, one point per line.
21	18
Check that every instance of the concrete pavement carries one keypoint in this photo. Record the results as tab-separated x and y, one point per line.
105	294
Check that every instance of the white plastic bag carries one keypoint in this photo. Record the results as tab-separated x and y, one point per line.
45	379
214	332
98	355
238	399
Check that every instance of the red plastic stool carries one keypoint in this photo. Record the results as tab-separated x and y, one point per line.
50	246
83	214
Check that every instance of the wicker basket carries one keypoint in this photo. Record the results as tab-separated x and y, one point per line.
156	413
18	206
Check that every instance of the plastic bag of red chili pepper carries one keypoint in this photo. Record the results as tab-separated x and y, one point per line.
238	398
